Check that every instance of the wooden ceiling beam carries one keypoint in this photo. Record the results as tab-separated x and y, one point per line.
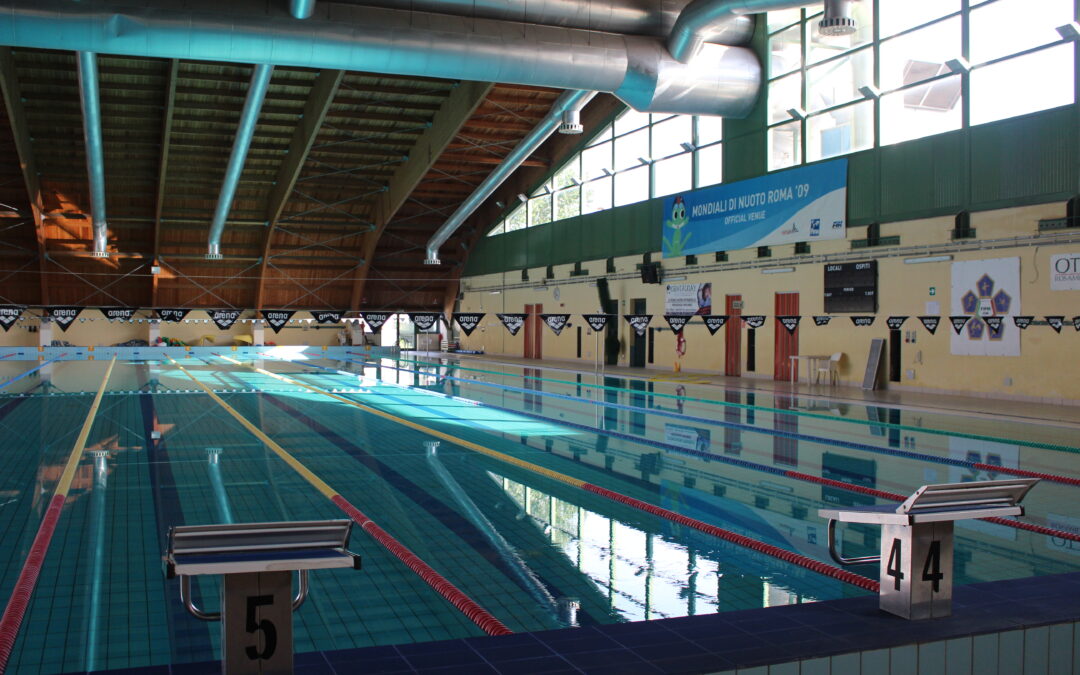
163	167
458	158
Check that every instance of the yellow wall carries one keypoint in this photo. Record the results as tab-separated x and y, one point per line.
903	290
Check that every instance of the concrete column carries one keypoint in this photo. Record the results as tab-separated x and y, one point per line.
45	333
258	333
154	332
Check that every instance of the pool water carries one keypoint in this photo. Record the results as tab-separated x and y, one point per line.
517	541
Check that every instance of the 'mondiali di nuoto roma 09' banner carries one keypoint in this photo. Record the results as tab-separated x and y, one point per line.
804	204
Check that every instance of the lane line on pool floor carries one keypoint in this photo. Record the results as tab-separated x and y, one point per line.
31	569
469	607
727	535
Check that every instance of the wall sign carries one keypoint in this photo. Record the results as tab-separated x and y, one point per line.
1065	272
468	321
851	287
688	299
277	318
513	322
802	204
982	289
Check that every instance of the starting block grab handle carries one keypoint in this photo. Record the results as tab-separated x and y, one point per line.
841	560
193	610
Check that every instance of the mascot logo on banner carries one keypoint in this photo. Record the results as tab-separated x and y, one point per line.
822	320
958	322
424	320
9	314
173	315
118	313
715	322
1022	322
930	323
224	318
789	322
513	322
639	322
375	320
677	321
1056	322
895	322
863	320
754	320
64	316
597	322
277	318
327	317
468	321
556	322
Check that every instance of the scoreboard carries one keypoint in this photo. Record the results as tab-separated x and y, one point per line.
851	287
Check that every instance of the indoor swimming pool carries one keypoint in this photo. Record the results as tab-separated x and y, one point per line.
550	498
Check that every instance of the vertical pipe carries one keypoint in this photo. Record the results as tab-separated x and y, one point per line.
301	9
89	95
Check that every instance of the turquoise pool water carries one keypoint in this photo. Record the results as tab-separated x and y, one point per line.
162	453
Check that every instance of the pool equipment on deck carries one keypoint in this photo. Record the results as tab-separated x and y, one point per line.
256	560
917	540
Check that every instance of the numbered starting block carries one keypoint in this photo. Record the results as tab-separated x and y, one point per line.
917	540
256	561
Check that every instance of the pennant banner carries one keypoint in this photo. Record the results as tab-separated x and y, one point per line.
789	322
63	316
9	314
424	320
895	322
328	316
639	322
468	321
1022	322
118	313
225	318
754	320
597	322
1056	322
375	320
173	315
277	318
958	322
822	320
1076	323
556	322
994	323
930	323
863	320
513	322
715	322
677	321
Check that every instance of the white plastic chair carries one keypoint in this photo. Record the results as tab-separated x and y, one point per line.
830	369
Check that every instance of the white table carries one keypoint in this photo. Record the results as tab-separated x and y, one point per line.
812	362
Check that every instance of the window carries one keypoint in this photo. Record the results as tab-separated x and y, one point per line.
785	145
921	110
673	175
919	55
840	131
896	16
567	203
632	186
1025	84
540	209
710	165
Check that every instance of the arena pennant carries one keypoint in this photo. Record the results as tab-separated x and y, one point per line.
9	314
118	313
329	316
224	318
375	320
715	322
895	322
468	321
639	322
677	321
789	322
63	316
556	322
994	323
930	323
1076	323
424	320
513	322
277	318
754	320
822	320
173	315
1022	322
958	322
863	320
597	322
1056	322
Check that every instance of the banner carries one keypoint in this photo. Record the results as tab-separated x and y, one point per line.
754	320
676	321
118	313
822	320
1076	323
513	322
1022	322
639	322
1065	272
424	320
173	315
715	322
958	322
789	322
895	322
994	323
329	316
556	322
930	323
688	299
277	318
863	320
980	289
63	316
1056	322
804	204
375	320
597	322
9	314
225	318
468	321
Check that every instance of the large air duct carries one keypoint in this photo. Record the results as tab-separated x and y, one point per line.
301	9
724	81
568	102
260	82
89	95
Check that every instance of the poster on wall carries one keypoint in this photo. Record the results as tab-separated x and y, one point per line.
375	320
468	321
513	322
9	314
688	299
277	318
981	289
1065	272
63	316
424	320
804	204
224	318
556	322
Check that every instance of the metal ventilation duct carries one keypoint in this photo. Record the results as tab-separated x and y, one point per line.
724	81
301	9
569	102
95	149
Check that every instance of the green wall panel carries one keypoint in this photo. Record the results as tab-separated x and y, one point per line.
1024	157
862	193
539	247
515	250
566	241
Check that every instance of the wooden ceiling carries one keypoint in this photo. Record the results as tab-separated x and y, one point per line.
349	174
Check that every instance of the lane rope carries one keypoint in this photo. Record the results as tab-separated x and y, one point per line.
31	371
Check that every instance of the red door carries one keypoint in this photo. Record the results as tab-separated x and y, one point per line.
733	336
786	344
538	332
533	327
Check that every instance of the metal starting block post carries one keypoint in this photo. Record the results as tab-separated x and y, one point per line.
256	561
917	540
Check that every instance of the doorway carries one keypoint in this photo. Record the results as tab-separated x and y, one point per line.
638	343
786	343
733	336
534	336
